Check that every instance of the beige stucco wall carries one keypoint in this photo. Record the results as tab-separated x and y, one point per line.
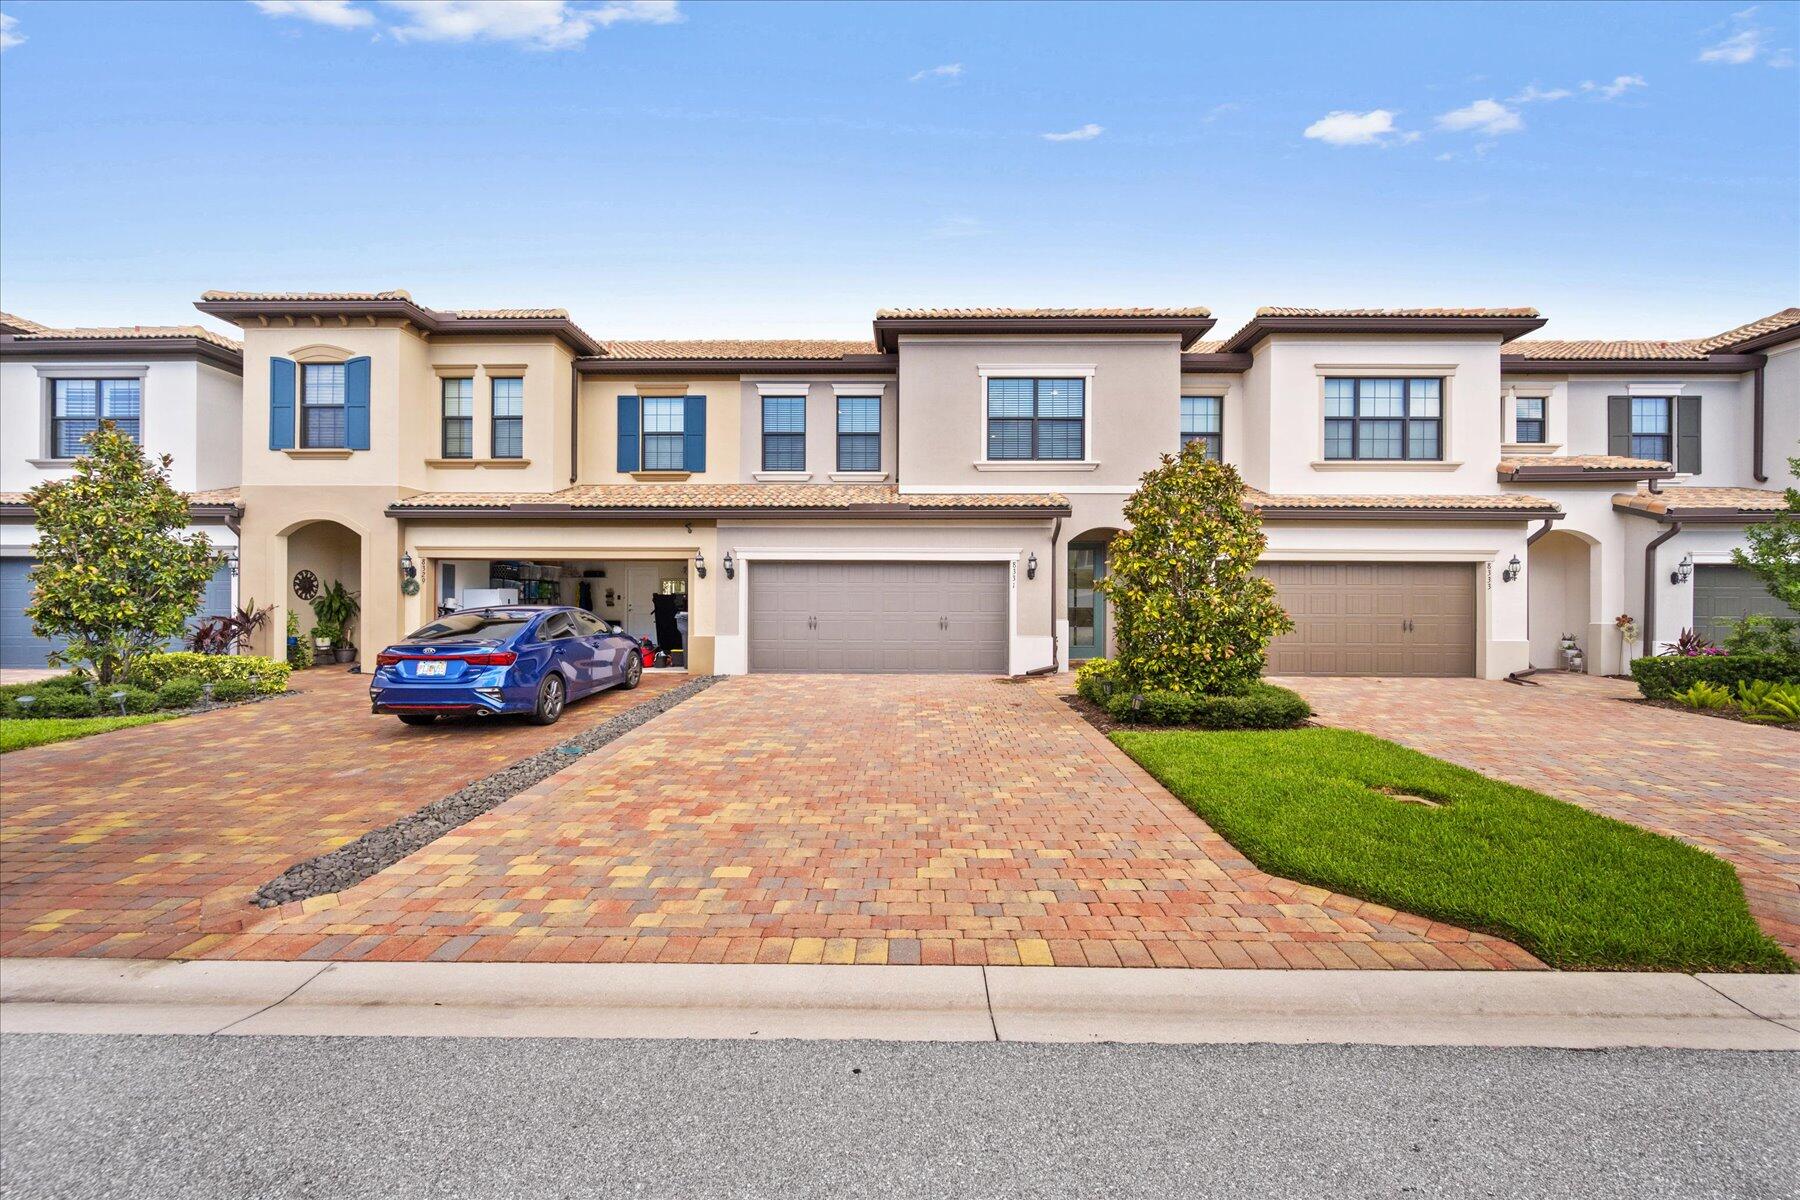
599	431
821	424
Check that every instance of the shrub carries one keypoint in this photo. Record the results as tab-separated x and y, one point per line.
55	703
1769	701
227	691
1758	634
134	699
1659	678
1705	695
260	676
1095	680
179	693
74	681
1256	706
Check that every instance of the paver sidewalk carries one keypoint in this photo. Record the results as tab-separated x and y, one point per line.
848	819
1728	787
149	842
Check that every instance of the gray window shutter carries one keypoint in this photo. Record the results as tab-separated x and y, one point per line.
1618	426
1687	434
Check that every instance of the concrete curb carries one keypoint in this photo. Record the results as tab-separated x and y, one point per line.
1014	1004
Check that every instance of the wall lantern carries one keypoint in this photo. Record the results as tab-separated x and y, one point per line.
1684	570
1031	566
231	561
730	566
1512	570
407	568
700	563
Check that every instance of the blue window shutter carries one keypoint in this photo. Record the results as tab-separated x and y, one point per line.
281	404
356	403
693	428
630	409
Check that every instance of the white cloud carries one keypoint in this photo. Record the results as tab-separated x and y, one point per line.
1749	43
1533	94
946	71
1345	128
1612	91
339	14
545	24
9	35
1488	117
1085	133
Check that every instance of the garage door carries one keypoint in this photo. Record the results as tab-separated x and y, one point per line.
879	617
1726	594
1375	618
20	647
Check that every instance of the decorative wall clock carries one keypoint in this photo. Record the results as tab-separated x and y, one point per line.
306	585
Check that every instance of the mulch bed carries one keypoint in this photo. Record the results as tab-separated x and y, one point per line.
380	849
1723	714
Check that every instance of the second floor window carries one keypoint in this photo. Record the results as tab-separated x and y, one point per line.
1202	420
1652	427
784	433
664	429
1528	417
509	418
1036	420
322	406
859	433
1381	419
77	406
459	418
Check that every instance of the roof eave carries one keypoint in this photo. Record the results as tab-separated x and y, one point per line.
1247	338
1767	341
448	324
1580	475
212	511
1188	329
1712	364
855	364
1700	516
120	347
851	512
1216	364
1461	515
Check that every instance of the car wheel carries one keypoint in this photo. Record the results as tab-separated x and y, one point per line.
550	700
634	673
418	718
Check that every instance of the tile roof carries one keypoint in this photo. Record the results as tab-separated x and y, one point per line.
215	496
1722	500
511	314
774	496
395	294
1376	504
1277	311
1787	318
43	333
1673	350
1210	347
22	324
823	349
1597	464
989	314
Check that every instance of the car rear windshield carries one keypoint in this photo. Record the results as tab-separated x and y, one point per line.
483	626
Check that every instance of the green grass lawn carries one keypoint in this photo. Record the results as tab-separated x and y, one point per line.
18	735
1576	889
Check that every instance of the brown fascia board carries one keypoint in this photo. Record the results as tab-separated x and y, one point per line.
1767	341
217	511
1247	338
1701	516
1216	364
151	349
1483	515
427	319
1712	364
850	364
1189	329
564	512
1578	475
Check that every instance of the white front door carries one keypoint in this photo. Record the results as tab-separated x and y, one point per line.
641	583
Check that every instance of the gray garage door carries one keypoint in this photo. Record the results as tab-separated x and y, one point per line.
1726	594
878	617
1375	618
19	647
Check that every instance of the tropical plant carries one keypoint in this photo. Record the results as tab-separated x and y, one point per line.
1689	643
1705	695
300	650
336	608
1191	614
1766	699
1773	553
1760	634
223	634
114	576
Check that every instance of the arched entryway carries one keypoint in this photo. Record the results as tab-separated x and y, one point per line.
1089	627
321	554
1561	598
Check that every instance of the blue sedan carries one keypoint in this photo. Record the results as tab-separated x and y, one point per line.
530	660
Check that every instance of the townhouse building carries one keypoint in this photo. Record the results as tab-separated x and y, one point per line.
1444	494
177	390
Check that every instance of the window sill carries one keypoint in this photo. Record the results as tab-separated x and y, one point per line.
1530	447
1036	464
661	476
51	464
859	477
781	476
462	464
1384	464
318	452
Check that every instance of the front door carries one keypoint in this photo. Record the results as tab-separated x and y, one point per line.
1087	607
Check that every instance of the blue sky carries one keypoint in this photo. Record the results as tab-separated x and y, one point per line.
701	169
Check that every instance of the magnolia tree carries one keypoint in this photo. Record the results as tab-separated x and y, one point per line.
115	577
1190	614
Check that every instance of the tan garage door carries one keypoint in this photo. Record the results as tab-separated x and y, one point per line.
883	618
1375	618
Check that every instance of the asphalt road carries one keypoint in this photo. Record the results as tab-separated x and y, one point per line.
270	1117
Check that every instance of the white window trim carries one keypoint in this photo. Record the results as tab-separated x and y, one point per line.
1654	390
1083	371
1511	394
878	390
802	390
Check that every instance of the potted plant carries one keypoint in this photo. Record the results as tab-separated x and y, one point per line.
325	635
336	607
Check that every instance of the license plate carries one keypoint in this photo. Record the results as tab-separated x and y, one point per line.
432	668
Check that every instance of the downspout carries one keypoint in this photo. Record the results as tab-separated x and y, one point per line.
574	423
1542	530
1756	428
1650	583
1055	646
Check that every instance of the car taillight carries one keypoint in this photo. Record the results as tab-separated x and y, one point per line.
503	658
385	659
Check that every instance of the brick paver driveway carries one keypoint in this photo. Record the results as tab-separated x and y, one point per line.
855	819
1725	786
149	842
